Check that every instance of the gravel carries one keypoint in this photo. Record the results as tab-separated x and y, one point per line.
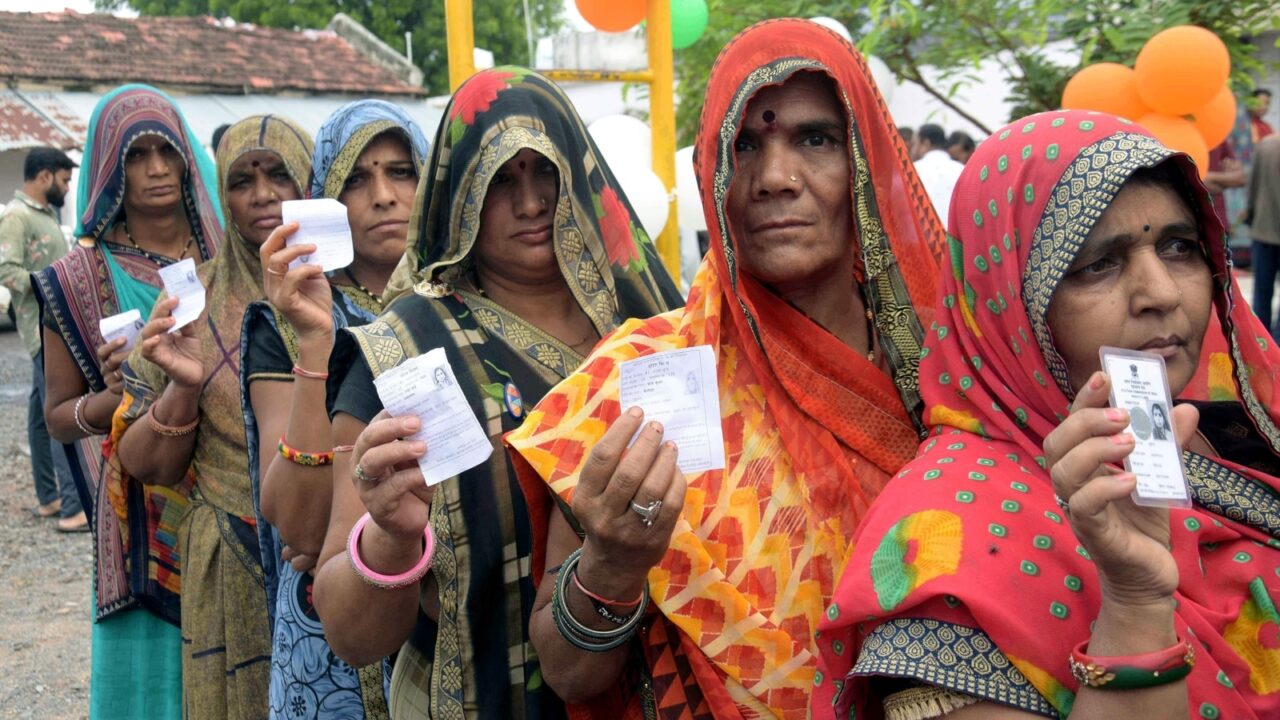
45	576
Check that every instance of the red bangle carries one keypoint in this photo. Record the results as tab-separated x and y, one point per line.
601	599
170	430
1127	672
299	457
304	373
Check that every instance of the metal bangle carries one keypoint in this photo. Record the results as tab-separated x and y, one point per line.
83	424
574	631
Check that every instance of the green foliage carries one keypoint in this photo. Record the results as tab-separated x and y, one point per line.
953	37
499	24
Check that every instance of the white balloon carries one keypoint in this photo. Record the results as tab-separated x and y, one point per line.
688	199
647	195
624	140
883	76
833	24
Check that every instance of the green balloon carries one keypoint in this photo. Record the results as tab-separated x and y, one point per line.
688	22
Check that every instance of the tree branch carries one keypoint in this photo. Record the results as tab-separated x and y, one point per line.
918	78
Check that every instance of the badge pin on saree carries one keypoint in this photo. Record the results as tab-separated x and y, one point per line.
1140	385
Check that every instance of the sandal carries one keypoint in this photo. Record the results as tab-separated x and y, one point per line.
77	523
48	510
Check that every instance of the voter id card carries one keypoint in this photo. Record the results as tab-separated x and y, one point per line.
1140	384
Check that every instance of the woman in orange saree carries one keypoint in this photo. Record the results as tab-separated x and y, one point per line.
813	298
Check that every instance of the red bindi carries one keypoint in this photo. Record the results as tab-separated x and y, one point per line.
770	120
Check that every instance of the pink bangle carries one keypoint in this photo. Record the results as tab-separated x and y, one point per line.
600	598
388	582
309	374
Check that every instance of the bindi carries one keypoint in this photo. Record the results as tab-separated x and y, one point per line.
770	120
1146	228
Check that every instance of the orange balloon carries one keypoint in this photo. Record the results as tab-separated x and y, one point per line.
1215	120
1179	134
1106	87
612	15
1181	69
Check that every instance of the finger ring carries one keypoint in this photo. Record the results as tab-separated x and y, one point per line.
648	513
275	272
1061	503
363	477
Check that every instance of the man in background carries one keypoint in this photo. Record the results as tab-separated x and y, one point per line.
31	239
1263	218
938	172
960	146
1259	103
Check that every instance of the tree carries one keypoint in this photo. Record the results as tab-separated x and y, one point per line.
499	24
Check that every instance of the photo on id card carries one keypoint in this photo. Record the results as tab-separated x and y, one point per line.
1140	385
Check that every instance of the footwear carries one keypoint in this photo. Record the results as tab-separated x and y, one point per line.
77	523
48	510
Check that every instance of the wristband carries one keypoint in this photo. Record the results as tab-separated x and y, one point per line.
1130	672
601	600
388	582
343	449
299	457
309	374
170	430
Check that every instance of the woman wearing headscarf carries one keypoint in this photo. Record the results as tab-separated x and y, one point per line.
1006	572
146	200
522	253
180	424
821	259
367	156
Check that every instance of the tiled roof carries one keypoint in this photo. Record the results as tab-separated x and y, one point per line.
189	53
25	123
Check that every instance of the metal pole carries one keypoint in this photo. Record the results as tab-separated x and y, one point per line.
662	123
528	32
461	41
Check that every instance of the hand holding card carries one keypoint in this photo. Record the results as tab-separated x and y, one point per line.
125	325
181	282
1140	385
321	222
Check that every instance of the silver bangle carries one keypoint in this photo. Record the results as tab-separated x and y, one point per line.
81	422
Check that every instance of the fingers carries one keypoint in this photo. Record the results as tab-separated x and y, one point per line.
161	319
105	350
291	282
1089	417
673	501
278	263
604	457
381	461
658	479
1186	418
1089	504
381	430
634	468
303	563
275	241
1086	460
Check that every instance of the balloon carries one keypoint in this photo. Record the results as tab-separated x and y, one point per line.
1181	69
1178	134
688	22
688	199
1215	120
624	141
883	76
647	195
833	24
612	15
1106	87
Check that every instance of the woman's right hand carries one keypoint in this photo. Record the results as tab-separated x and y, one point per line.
620	548
1129	544
301	294
177	354
111	356
385	470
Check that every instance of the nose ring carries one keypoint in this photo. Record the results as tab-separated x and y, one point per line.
793	178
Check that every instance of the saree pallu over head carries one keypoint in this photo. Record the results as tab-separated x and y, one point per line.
134	552
347	132
812	430
226	640
966	575
475	660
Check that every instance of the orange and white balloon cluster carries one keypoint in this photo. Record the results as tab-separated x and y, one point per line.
1177	90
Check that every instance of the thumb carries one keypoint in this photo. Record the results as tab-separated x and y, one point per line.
1186	418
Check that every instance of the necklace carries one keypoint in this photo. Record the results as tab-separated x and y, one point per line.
351	276
154	257
871	327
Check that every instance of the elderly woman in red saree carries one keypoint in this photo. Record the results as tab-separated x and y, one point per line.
822	254
1006	572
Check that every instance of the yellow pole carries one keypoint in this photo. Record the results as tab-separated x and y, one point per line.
461	41
662	123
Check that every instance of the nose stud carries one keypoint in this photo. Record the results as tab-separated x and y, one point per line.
793	178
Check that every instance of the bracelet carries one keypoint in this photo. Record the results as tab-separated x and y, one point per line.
83	424
388	582
299	457
601	600
1130	672
343	449
574	631
311	375
170	430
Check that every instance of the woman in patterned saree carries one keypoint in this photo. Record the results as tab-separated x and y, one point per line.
368	155
822	249
146	200
180	425
522	253
1006	573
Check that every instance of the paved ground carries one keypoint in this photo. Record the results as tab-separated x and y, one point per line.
44	575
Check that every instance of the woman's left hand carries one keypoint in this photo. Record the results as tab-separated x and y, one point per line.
1129	543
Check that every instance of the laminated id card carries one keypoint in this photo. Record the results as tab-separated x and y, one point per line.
1140	385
